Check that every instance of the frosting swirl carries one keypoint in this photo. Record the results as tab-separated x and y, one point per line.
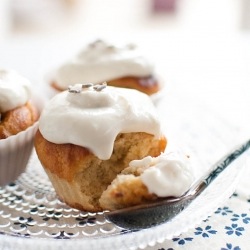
93	116
166	175
15	90
109	61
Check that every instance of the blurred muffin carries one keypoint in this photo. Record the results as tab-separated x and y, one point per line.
89	134
18	124
119	66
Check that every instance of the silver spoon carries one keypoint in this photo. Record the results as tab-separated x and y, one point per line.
157	212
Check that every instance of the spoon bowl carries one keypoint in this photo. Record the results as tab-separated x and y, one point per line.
164	209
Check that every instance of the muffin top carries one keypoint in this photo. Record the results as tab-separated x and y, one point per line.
100	61
93	115
15	90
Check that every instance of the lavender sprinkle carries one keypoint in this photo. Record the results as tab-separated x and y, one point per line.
100	87
86	85
73	89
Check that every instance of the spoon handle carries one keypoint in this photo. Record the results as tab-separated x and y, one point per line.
226	161
218	168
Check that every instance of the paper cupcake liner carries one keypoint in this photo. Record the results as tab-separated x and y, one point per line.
15	152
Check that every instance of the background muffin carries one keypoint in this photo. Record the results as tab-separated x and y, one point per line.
120	66
18	124
89	134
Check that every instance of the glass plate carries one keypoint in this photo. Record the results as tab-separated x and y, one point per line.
31	215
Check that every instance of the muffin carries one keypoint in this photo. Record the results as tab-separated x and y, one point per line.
119	66
18	124
143	181
88	134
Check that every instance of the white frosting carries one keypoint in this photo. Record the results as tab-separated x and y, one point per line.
93	119
14	90
167	175
100	62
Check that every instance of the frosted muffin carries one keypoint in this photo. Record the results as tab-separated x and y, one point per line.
18	124
119	66
89	134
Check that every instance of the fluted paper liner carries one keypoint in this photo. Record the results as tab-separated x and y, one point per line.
15	152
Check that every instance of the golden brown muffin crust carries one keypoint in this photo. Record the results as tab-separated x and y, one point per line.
76	167
148	85
19	119
54	85
62	159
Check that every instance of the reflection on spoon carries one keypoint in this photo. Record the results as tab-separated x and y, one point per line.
152	214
